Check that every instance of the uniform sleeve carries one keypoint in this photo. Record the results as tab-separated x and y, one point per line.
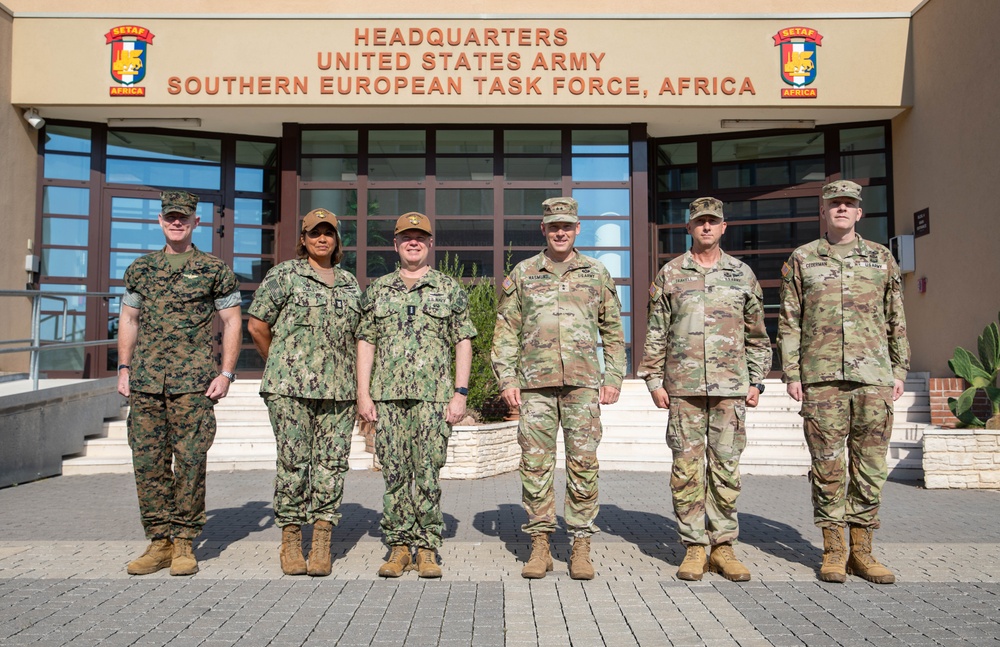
270	297
790	321
225	282
132	299
895	324
366	326
609	322
755	341
507	334
654	353
461	321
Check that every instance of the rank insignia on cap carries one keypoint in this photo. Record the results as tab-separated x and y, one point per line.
414	220
785	269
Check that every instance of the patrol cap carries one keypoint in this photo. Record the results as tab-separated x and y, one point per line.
179	202
559	210
317	217
414	220
842	189
705	207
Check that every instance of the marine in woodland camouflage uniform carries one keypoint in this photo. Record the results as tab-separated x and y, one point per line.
842	342
706	353
167	371
303	319
414	327
553	316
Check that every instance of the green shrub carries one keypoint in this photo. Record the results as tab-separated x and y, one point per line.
483	402
980	373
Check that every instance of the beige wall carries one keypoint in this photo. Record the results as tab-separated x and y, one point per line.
945	159
17	205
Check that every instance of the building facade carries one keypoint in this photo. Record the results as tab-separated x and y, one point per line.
474	115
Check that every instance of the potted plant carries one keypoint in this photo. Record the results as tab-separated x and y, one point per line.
979	373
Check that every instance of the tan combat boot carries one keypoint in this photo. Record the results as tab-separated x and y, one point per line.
540	561
834	556
158	555
292	561
580	567
694	565
183	561
399	560
427	565
723	561
319	552
862	562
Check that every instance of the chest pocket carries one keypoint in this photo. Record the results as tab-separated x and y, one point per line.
309	308
348	310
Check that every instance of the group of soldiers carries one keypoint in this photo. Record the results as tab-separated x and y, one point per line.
399	356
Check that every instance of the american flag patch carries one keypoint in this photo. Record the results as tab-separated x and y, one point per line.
785	269
507	283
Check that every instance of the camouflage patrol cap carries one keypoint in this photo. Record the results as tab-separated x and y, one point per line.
705	207
178	201
559	210
317	217
842	189
414	220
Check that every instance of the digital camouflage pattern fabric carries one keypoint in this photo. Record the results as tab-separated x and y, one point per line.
579	411
170	435
705	332
411	440
862	414
549	327
313	438
707	436
414	333
313	351
174	349
842	318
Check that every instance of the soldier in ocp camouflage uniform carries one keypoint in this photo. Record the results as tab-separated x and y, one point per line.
842	341
414	322
706	353
167	372
555	310
302	321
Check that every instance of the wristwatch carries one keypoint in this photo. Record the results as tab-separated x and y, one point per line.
760	386
461	390
231	376
121	366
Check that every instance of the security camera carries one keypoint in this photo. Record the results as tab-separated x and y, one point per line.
32	117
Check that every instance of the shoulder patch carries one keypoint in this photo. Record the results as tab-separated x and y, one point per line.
654	292
786	269
508	285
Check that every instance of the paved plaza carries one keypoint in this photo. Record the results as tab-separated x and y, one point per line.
64	543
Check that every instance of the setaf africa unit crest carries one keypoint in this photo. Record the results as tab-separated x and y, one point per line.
129	45
798	51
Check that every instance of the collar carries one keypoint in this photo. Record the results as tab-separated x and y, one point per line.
725	261
304	268
860	248
432	278
543	262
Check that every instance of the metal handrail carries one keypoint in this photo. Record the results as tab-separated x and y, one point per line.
37	346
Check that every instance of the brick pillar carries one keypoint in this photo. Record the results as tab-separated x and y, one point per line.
942	388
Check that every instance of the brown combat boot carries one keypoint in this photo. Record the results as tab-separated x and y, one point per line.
862	562
399	560
694	565
834	556
580	567
724	562
158	555
292	561
427	565
183	561
319	552
540	561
